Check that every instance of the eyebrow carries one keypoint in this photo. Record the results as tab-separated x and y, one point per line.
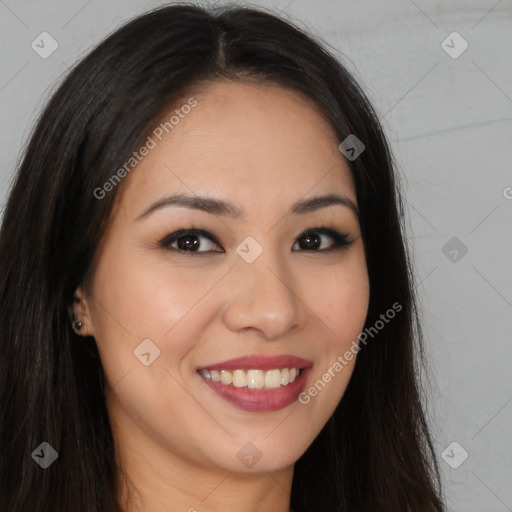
218	207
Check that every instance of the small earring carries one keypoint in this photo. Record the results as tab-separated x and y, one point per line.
78	325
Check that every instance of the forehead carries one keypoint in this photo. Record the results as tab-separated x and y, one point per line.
256	145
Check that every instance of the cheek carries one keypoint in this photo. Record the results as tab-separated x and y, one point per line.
340	298
135	303
145	295
143	299
341	302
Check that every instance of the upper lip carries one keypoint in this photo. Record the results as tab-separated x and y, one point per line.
259	362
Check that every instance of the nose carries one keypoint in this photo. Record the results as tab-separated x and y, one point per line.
262	297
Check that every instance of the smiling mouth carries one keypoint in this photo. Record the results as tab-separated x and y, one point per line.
258	382
247	389
253	378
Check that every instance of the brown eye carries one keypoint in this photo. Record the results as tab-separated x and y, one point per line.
198	241
312	240
191	241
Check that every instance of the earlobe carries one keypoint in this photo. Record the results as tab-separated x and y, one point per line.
80	314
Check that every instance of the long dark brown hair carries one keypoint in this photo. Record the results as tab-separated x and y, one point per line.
375	452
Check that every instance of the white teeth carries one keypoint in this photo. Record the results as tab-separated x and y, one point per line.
226	377
239	379
273	379
253	379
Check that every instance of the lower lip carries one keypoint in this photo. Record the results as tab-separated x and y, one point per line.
260	400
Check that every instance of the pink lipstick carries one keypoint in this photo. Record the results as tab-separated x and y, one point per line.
258	383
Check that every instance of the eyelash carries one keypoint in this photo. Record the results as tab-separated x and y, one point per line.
340	240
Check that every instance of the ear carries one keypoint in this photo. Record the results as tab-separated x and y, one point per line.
81	312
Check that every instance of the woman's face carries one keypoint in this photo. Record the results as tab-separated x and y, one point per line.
261	280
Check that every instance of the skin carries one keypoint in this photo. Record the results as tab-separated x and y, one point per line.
176	439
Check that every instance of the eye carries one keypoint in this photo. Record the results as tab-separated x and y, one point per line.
189	240
311	240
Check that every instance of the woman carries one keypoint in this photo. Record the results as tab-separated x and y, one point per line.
202	239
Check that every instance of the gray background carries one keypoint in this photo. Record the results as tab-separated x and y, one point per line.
449	122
